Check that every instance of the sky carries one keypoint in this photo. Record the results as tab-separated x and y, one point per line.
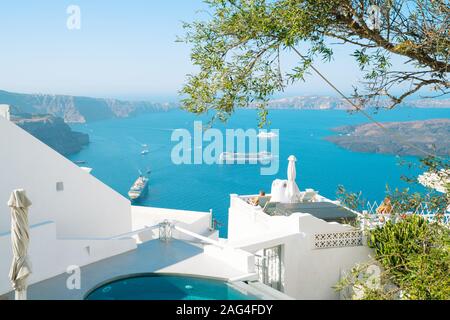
123	49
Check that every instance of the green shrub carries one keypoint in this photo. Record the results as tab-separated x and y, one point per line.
415	253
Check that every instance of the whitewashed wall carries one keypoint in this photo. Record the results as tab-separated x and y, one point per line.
194	221
85	208
50	256
309	273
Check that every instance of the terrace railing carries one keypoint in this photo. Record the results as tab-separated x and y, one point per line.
372	217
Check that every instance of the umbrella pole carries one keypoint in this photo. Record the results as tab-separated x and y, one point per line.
20	268
21	294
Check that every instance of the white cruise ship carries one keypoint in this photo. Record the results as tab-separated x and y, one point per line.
236	156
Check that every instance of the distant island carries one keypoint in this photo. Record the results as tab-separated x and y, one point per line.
54	132
333	103
432	136
74	109
309	103
430	103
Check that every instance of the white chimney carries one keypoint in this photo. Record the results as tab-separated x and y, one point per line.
5	111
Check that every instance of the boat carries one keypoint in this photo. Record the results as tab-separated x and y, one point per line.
233	157
139	188
267	135
80	162
144	152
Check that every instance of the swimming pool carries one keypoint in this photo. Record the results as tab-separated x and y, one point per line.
167	287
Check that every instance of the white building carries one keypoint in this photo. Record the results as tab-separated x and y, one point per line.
296	252
78	221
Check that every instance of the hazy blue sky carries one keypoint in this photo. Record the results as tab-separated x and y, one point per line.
124	49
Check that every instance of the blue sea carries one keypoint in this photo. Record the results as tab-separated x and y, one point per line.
115	156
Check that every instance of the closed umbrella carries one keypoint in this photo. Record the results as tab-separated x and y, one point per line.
292	190
20	268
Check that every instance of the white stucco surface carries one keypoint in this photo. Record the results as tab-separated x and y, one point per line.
195	221
50	256
309	273
85	208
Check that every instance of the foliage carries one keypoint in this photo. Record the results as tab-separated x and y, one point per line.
414	258
350	200
240	49
416	253
363	282
412	252
436	200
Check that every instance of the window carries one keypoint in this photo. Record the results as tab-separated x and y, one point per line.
60	186
269	267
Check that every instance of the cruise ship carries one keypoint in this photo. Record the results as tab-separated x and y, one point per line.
139	188
267	135
232	157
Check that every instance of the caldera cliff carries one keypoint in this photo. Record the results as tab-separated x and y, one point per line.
399	138
54	132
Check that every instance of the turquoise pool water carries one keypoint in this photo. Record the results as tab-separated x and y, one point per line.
164	287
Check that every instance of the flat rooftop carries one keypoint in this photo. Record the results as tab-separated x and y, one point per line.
173	257
327	211
321	208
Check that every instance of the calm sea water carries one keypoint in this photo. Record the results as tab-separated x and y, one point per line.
114	154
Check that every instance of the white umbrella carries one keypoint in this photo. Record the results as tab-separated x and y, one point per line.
20	268
292	190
